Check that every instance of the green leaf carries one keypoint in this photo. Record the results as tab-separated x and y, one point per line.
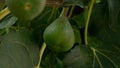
103	39
105	28
105	22
18	50
79	57
80	20
105	54
7	22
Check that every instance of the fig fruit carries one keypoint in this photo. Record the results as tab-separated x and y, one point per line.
59	35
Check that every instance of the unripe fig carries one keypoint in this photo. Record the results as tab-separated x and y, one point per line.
59	35
26	9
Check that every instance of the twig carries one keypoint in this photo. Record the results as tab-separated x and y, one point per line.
87	21
4	12
41	54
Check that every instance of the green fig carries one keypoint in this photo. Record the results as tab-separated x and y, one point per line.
26	9
59	35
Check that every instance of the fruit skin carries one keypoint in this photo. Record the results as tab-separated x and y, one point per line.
26	9
59	35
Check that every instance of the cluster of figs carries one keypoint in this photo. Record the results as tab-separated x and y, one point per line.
59	35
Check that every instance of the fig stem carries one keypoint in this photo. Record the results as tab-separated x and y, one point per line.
64	11
52	13
4	12
41	54
71	11
87	21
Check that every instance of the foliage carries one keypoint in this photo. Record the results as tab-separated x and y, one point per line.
96	45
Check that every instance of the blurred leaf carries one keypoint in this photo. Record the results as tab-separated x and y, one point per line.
79	57
59	63
18	50
8	21
77	35
105	22
49	59
105	27
2	4
79	19
3	31
105	54
97	1
104	39
80	3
